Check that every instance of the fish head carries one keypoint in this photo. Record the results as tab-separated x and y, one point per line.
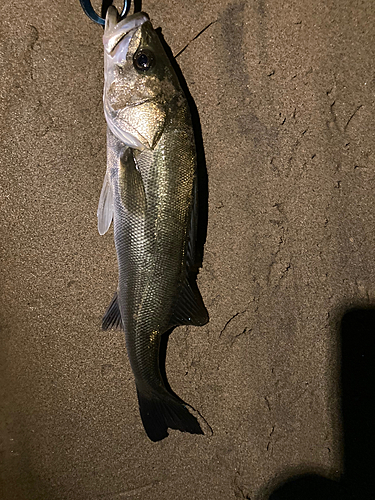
139	80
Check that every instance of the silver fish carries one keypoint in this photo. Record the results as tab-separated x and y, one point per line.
150	192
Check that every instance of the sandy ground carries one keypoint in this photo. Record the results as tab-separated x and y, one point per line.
285	94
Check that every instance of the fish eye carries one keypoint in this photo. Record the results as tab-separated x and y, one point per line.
143	60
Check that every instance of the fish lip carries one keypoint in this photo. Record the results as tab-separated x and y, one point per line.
114	34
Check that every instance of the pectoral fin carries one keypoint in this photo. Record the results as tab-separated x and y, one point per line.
105	207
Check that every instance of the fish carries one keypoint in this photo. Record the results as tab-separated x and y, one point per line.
150	194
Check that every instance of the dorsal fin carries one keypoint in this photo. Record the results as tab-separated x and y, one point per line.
189	308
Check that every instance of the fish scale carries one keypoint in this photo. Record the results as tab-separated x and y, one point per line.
148	260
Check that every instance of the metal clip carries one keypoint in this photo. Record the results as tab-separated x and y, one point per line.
90	12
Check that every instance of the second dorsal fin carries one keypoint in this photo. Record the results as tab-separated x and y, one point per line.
189	308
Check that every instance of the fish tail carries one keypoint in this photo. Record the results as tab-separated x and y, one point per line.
160	411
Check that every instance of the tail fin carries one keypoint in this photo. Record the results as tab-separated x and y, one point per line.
162	411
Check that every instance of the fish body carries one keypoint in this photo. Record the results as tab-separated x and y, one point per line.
150	192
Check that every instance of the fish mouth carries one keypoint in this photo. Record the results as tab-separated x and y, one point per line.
115	31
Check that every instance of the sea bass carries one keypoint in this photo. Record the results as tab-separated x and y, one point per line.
150	192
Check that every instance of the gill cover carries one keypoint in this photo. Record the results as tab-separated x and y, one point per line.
134	98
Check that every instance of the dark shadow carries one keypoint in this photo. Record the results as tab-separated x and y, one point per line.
358	400
137	5
105	5
310	487
357	334
207	429
162	360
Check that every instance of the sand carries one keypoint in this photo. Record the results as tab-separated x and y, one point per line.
285	95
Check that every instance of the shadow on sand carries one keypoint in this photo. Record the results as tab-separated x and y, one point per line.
357	335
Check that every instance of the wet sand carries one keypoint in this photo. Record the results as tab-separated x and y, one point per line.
285	95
